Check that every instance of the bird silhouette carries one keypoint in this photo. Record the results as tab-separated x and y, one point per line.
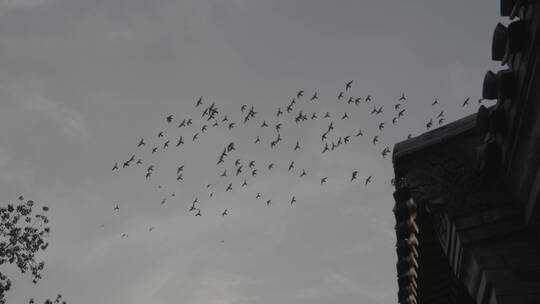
348	85
160	134
268	202
435	102
180	177
381	126
303	173
270	166
116	207
401	113
115	167
243	108
466	102
441	121
291	166
169	118
224	173
238	170
182	124
180	141
198	212
375	139
264	124
297	146
368	98
314	97
323	180
139	161
244	183
254	172
278	126
257	140
199	102
195	136
189	122
402	98
300	94
345	116
231	125
441	114
354	174
429	123
258	195
229	187
327	115
293	200
165	144
279	112
141	142
368	180
359	133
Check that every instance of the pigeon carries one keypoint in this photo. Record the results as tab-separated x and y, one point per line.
340	95
279	112
195	136
270	166
180	141
394	120
116	207
300	94
293	200
203	129
251	164
278	126
441	120
258	195
182	124
397	106
348	85
359	133
264	124
314	97
243	108
368	179
441	114
198	212
199	102
180	177
141	142
165	144
327	115
229	187
139	161
224	173
375	139
381	126
231	125
345	116
303	173
368	98
466	102
401	113
402	97
224	212
244	183
297	146
169	118
160	134
254	173
115	167
354	174
435	102
291	166
428	125
323	180
257	140
238	170
189	122
268	202
126	164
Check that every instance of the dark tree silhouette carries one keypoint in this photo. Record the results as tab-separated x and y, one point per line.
22	236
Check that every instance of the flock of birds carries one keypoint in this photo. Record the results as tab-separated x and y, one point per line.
239	172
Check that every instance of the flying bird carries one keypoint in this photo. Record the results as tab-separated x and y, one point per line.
293	200
264	124
300	94
224	212
375	139
169	118
348	85
199	102
297	146
435	102
229	188
368	180
303	173
314	97
115	166
340	95
466	102
116	207
354	174
323	180
402	97
291	166
141	142
160	134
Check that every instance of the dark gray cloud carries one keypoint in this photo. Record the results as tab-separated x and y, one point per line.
82	81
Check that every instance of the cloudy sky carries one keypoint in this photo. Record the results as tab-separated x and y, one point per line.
82	81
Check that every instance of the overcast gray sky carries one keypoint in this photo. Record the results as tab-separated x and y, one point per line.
82	81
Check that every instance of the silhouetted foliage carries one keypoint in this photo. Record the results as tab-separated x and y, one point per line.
22	236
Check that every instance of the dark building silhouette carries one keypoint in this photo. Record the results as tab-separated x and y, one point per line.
467	194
